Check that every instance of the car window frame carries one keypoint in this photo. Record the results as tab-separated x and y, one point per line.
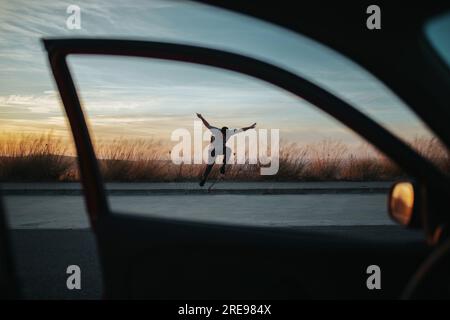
97	205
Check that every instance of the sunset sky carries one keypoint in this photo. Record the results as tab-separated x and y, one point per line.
148	98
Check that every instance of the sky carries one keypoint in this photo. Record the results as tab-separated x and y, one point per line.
133	97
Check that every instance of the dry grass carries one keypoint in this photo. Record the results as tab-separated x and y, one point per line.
33	158
48	158
131	160
434	150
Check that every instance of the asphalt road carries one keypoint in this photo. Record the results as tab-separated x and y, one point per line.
68	212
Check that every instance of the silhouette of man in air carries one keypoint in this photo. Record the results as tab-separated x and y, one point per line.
218	146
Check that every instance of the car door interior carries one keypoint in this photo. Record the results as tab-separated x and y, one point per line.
159	258
9	287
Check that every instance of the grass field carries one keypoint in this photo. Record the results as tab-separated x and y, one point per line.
44	157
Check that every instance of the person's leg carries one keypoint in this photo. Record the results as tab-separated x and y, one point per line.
211	161
226	157
206	174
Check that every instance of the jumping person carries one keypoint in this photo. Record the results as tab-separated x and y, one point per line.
218	146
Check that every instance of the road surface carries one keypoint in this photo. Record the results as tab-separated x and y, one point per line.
68	212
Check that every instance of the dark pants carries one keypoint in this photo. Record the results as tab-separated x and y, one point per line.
211	165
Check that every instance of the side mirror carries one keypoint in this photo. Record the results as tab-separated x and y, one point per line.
403	203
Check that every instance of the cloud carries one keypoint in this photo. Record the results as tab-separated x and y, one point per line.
35	104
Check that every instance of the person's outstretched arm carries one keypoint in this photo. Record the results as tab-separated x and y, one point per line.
249	127
206	123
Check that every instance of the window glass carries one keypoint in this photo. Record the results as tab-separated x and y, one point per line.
142	116
438	32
